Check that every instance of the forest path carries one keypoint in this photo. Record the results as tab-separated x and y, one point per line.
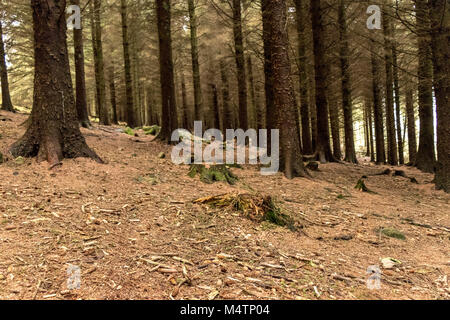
132	229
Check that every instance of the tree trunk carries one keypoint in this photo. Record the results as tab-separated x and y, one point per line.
195	64
412	140
240	64
377	107
185	108
323	147
268	85
285	113
425	159
99	67
303	77
169	109
401	156
130	113
440	38
215	112
112	93
6	97
350	154
255	106
54	132
390	118
80	78
227	120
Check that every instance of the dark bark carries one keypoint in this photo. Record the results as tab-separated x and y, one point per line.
169	109
323	147
412	140
227	119
215	112
253	96
425	159
350	153
284	112
240	64
268	85
112	94
54	131
440	37
303	77
130	112
6	97
185	107
195	64
99	67
390	118
80	78
377	107
401	156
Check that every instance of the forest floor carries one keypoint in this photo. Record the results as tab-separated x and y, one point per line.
131	226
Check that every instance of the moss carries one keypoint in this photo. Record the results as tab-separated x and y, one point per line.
129	131
393	233
213	174
153	130
361	186
256	208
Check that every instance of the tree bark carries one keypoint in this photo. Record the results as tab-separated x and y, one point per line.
440	38
401	156
54	132
390	118
350	154
323	147
284	112
195	64
227	120
112	94
80	77
425	159
130	113
268	85
6	97
169	109
303	77
412	140
240	64
377	108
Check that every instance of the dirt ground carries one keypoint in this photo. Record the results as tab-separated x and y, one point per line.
132	229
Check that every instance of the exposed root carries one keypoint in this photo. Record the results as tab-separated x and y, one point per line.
256	208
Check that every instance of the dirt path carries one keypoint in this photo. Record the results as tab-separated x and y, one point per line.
131	228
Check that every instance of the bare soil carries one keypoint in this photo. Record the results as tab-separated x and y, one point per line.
131	227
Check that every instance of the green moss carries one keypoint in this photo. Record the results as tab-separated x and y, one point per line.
213	174
393	233
153	130
129	131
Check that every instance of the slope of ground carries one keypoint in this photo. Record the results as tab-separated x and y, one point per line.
132	229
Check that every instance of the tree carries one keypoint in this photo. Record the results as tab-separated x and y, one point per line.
323	148
169	110
377	107
440	39
303	77
54	132
6	97
112	94
410	114
350	154
390	118
240	64
425	159
195	63
80	78
283	108
99	66
130	113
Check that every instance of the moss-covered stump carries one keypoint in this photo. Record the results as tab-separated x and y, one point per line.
153	130
256	208
361	186
213	173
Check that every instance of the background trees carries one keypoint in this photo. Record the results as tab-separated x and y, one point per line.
367	92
